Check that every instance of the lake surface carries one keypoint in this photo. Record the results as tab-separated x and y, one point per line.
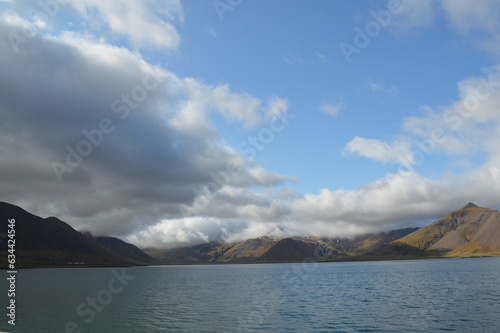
456	295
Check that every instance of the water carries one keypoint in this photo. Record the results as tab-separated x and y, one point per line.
457	295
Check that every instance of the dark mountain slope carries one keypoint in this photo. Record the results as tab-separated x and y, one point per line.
118	246
52	241
289	249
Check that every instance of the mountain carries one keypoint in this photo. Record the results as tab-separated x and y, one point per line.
267	249
50	241
289	249
221	252
127	250
470	231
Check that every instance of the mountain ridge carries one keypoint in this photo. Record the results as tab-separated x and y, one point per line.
50	241
467	232
266	249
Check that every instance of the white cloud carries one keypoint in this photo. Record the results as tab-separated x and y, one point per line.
381	88
332	110
242	107
395	201
143	22
399	151
467	125
413	14
185	231
467	15
478	21
275	107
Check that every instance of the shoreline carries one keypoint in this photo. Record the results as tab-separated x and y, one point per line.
354	259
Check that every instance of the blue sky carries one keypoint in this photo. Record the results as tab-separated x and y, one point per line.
292	50
374	140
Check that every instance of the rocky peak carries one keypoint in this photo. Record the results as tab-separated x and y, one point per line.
470	205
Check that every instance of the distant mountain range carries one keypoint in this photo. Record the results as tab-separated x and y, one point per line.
470	231
268	249
50	241
467	232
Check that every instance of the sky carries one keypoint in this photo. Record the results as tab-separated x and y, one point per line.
178	122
